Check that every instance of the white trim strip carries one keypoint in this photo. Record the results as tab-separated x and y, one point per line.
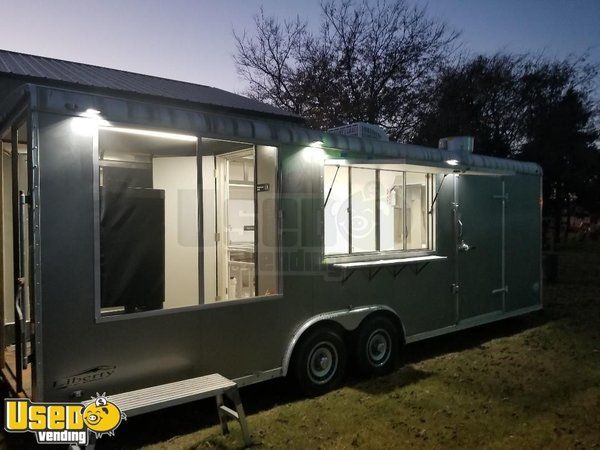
388	262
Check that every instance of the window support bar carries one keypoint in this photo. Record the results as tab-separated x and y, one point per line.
418	268
437	193
373	273
331	187
347	275
396	272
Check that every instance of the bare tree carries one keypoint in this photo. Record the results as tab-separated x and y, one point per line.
531	108
369	61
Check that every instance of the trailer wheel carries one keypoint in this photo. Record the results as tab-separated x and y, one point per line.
377	345
320	361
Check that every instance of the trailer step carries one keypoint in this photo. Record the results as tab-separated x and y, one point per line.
179	392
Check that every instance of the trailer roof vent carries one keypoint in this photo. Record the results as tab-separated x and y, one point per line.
362	130
460	144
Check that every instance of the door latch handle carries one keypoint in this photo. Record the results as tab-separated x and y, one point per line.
464	247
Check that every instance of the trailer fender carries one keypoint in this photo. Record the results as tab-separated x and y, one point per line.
349	319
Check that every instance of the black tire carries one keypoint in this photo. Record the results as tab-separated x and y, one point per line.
377	346
319	363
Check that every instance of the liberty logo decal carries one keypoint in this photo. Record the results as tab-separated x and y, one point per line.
87	376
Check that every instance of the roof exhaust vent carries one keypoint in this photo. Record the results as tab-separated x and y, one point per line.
362	130
459	144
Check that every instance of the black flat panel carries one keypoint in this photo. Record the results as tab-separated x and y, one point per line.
132	248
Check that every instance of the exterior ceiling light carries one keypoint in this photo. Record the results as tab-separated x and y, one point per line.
93	114
453	162
90	113
150	133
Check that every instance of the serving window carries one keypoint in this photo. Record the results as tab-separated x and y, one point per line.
178	230
148	198
373	209
240	252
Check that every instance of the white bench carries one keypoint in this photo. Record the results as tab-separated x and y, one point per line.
165	395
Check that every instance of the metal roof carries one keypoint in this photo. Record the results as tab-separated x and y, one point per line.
72	73
417	154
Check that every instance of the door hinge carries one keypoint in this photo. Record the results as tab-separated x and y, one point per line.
455	288
25	199
217	237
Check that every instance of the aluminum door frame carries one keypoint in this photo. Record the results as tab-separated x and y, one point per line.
22	253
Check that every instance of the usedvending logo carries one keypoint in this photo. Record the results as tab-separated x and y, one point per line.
63	423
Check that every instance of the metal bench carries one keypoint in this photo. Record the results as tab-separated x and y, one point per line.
163	396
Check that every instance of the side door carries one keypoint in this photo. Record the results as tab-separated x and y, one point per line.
480	245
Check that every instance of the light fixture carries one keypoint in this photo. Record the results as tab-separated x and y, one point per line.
88	122
151	133
453	162
313	154
90	112
317	144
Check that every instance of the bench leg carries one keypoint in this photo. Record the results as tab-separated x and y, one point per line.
234	395
222	415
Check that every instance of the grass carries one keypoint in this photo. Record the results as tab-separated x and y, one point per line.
528	382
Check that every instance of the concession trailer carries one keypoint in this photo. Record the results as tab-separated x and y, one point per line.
156	230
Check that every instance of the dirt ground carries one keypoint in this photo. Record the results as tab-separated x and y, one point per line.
528	382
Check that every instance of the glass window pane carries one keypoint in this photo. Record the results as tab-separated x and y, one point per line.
335	185
235	277
416	211
239	229
267	273
363	210
429	210
148	221
391	207
241	254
